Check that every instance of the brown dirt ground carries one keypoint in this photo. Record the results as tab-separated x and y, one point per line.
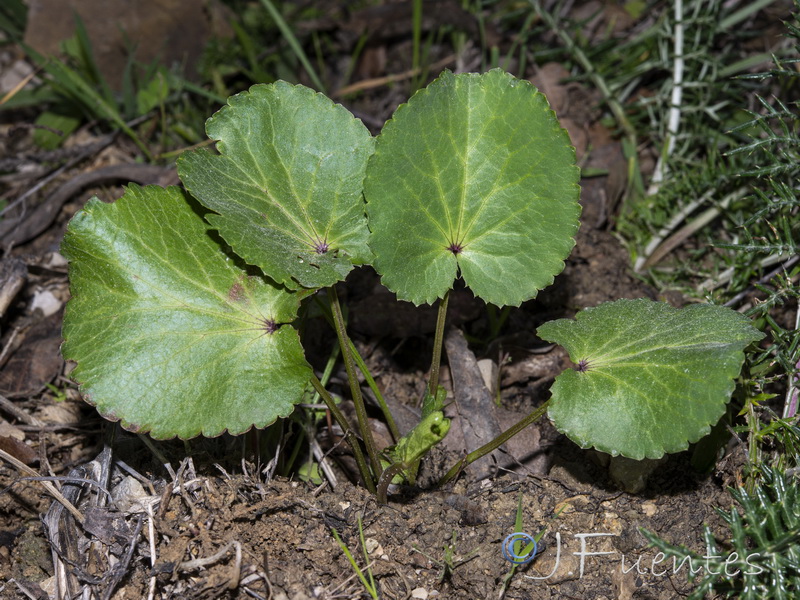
215	525
208	519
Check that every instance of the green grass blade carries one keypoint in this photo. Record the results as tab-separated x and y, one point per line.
372	592
87	58
128	88
254	69
13	15
81	90
740	15
72	84
416	21
177	82
294	44
372	587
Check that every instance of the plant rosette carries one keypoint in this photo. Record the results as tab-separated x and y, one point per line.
182	303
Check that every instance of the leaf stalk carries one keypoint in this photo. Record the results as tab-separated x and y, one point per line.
387	414
438	340
494	444
355	386
340	419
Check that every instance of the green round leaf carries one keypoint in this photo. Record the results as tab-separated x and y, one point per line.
287	184
474	175
170	336
650	378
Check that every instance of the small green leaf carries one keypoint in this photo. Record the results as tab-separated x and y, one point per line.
432	403
474	175
287	184
170	336
53	129
650	378
153	94
415	444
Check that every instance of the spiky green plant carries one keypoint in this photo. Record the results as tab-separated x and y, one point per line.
676	83
729	208
761	561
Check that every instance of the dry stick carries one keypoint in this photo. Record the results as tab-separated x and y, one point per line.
767	262
380	81
84	153
24	590
252	578
438	340
674	118
494	444
15	411
5	354
49	487
157	453
676	220
121	568
151	538
355	387
793	389
363	468
72	480
727	275
236	574
316	450
657	250
18	88
191	565
136	475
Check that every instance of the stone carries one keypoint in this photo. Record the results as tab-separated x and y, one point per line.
173	32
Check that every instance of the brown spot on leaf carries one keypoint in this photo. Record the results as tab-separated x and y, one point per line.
236	293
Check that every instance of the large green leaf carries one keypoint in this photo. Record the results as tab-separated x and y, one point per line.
473	174
170	336
649	378
287	184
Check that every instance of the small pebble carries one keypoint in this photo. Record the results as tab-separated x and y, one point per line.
372	546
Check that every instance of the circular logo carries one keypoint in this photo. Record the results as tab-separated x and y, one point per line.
511	555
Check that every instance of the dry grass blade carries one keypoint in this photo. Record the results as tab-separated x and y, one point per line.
119	571
198	563
369	84
94	556
62	534
20	86
49	487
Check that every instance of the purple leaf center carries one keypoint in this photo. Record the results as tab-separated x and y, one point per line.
455	248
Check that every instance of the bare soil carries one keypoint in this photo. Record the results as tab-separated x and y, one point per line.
214	524
211	519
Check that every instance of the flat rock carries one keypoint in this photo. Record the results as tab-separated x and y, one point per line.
174	32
